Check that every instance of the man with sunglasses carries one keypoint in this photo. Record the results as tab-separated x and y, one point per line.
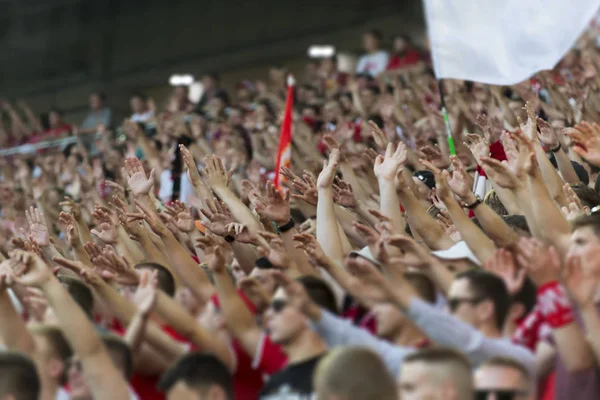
503	379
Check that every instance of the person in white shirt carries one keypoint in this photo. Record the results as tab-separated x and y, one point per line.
140	109
376	60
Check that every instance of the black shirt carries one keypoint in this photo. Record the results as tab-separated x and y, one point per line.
292	383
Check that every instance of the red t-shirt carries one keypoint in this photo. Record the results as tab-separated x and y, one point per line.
409	58
269	358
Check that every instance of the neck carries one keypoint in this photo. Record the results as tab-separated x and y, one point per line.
304	347
49	388
408	336
490	330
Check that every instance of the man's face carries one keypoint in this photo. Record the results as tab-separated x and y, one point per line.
283	322
77	384
367	97
416	382
462	302
331	111
95	102
495	379
389	320
137	104
585	244
400	45
265	279
370	42
211	317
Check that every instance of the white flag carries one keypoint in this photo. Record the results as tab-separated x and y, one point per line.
503	42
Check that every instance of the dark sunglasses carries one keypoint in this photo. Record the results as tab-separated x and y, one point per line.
454	303
500	394
278	305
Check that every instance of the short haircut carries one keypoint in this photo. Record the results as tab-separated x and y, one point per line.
59	345
453	363
527	296
588	196
376	33
355	373
489	287
165	279
507	363
18	377
319	292
116	345
517	222
101	95
587	221
423	285
80	292
199	371
494	202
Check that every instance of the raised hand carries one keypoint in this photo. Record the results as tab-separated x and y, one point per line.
413	254
500	173
37	226
72	231
435	156
145	295
459	181
547	135
139	183
541	262
343	194
311	247
192	168
379	137
72	207
273	249
307	189
277	206
242	233
503	265
479	146
108	229
387	167
530	127
215	172
29	269
327	174
218	216
115	268
585	141
368	282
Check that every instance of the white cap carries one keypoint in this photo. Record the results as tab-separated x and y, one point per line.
460	251
365	253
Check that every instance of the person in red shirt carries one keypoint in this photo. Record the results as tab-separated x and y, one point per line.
56	126
403	53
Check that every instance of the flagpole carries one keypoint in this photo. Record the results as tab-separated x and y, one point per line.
446	120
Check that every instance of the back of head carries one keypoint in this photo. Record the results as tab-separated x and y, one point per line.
489	287
588	196
423	285
354	373
80	292
591	221
320	292
120	353
18	377
165	279
445	368
494	202
199	372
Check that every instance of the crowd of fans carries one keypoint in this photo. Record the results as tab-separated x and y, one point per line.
156	258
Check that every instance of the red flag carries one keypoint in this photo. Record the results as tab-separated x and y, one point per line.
284	153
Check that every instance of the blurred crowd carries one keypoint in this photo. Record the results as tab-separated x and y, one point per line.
155	258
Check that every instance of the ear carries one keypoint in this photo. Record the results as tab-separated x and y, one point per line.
516	311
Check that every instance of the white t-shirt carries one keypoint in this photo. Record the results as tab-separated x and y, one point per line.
373	64
142	117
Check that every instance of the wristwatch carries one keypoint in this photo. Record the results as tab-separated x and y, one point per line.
474	204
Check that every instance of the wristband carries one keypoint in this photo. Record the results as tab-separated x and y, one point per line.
477	202
229	238
556	149
286	227
263	263
554	305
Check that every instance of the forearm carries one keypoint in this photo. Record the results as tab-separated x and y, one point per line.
423	224
573	348
13	332
75	325
134	336
495	227
350	177
150	251
327	226
566	167
390	204
476	239
238	209
298	255
553	181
